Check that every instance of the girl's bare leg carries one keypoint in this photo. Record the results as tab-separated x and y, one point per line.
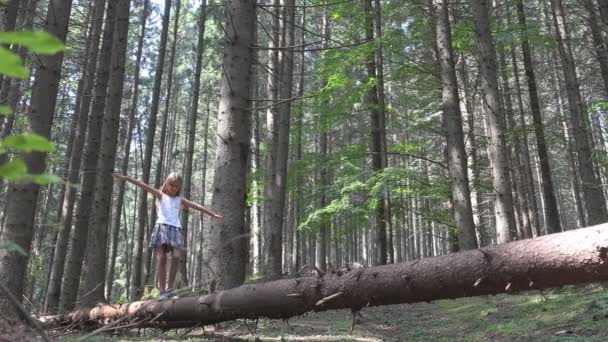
161	267
175	258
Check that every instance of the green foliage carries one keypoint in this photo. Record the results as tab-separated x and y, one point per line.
11	65
27	143
5	110
13	169
12	247
37	42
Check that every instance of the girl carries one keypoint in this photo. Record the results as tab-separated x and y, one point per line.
167	233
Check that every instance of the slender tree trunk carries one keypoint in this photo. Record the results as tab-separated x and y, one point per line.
124	167
272	226
552	223
203	240
227	237
162	163
21	209
481	231
92	289
194	113
138	258
595	203
66	209
376	145
382	111
600	43
86	31
320	242
524	230
501	180
603	6
71	281
457	158
529	199
285	111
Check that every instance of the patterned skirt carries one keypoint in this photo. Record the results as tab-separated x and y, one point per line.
164	234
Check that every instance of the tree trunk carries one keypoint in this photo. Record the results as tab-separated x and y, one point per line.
138	259
524	230
321	237
599	42
127	149
603	5
457	158
272	226
21	209
165	148
529	198
376	146
227	239
75	121
92	289
201	243
501	180
595	203
481	230
200	49
71	281
572	257
66	208
552	223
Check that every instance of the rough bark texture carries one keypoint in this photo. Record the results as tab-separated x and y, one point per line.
229	237
200	49
599	42
603	4
67	207
92	289
71	281
21	209
138	259
457	158
524	230
376	138
552	223
501	180
576	256
273	218
595	203
127	150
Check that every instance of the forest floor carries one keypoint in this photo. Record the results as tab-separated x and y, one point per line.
573	313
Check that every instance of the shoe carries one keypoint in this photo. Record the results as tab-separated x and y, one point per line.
166	294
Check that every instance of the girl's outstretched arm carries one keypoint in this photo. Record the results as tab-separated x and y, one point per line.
148	188
196	206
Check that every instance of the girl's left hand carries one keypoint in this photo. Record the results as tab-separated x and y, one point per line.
219	217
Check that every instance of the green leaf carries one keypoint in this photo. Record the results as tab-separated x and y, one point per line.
38	42
12	247
5	110
11	65
28	143
13	170
42	179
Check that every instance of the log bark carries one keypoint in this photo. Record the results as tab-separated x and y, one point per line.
575	256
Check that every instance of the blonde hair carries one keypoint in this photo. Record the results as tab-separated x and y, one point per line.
171	178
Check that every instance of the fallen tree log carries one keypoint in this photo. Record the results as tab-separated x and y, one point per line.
576	256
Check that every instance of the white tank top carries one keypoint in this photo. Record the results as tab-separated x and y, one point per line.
168	210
